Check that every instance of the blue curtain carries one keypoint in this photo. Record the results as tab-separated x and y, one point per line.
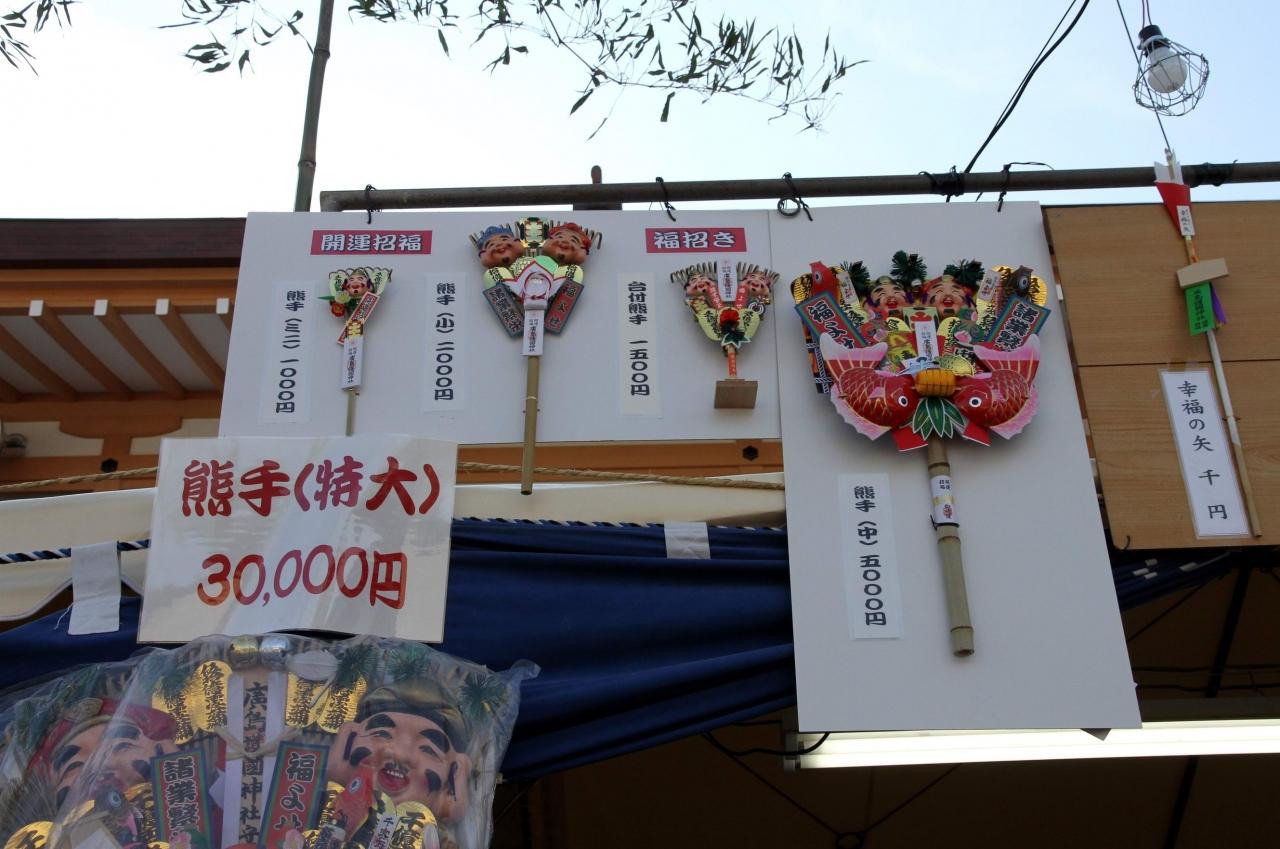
636	649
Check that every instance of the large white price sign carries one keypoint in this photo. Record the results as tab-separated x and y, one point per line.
343	534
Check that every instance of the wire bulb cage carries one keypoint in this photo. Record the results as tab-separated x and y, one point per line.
1171	78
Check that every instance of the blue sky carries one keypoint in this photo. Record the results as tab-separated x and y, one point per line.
118	124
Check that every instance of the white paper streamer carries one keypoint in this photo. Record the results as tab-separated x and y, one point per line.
95	589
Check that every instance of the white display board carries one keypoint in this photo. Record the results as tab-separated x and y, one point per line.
285	364
347	534
1050	649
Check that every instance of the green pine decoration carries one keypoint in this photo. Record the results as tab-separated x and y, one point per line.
909	270
358	661
859	276
968	272
413	661
483	695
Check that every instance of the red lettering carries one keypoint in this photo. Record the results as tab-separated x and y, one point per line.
389	573
216	579
353	590
434	481
237	578
295	555
392	480
317	588
262	484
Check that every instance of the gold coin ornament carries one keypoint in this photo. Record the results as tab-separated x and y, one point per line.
32	836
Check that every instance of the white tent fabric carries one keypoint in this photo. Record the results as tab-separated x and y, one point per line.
76	520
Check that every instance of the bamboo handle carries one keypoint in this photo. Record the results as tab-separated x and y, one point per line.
948	538
351	411
1255	525
530	425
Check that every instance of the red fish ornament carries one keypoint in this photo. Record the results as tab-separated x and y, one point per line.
1004	399
871	399
926	361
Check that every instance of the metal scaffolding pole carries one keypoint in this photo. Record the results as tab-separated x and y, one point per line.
949	184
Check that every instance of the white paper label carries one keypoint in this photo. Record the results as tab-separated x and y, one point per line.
285	397
872	588
352	362
926	337
533	332
1213	490
727	280
1185	225
687	540
384	830
638	378
444	376
944	506
95	589
347	534
987	290
916	364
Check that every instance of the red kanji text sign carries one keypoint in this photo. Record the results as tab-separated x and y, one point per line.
343	534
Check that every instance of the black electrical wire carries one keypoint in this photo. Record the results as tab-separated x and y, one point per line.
859	835
1165	612
775	788
781	753
916	795
1035	66
519	794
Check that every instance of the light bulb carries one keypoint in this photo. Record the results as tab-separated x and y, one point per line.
1167	71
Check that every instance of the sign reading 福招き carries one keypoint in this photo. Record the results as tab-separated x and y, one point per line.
343	534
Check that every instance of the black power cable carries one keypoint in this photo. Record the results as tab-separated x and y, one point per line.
1035	66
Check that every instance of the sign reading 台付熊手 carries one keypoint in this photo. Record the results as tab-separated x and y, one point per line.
343	534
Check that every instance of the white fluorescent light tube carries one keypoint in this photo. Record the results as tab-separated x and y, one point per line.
1153	739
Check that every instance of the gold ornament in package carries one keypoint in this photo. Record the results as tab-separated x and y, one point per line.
274	742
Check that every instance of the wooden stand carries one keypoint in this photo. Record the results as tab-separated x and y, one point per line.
948	537
530	425
735	394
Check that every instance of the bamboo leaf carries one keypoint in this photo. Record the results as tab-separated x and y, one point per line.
581	100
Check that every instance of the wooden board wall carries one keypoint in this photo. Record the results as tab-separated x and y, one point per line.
1116	265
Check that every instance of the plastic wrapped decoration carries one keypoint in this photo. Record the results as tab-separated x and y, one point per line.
729	304
924	361
291	743
53	729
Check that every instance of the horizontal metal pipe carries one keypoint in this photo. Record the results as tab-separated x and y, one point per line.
812	187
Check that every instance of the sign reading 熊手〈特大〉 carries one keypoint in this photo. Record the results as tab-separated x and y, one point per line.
345	534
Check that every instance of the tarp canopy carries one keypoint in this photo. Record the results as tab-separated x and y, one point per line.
637	647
